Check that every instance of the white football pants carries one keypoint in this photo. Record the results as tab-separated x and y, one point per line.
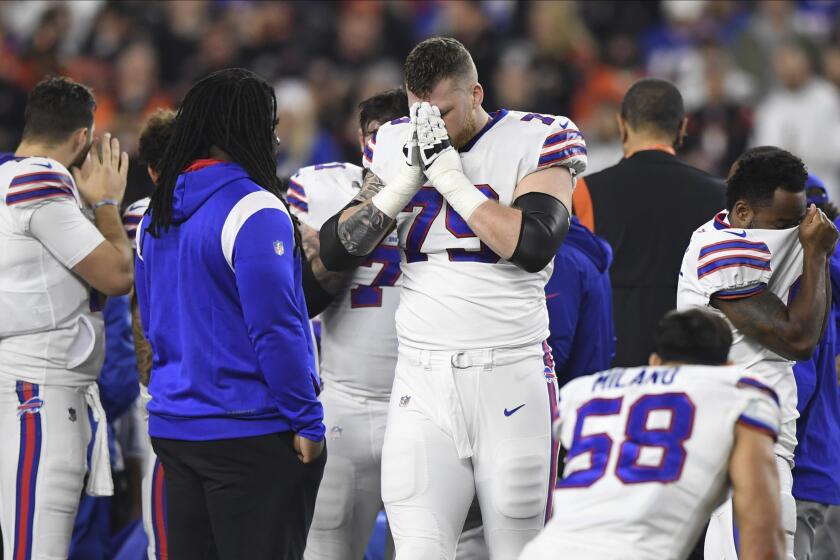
466	424
349	498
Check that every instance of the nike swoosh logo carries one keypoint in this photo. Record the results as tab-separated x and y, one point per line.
47	165
552	295
511	411
564	125
742	234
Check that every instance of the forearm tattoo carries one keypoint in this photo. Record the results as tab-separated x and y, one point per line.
331	281
142	348
362	227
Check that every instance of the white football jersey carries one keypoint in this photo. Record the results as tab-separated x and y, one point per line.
647	456
358	335
738	263
131	219
51	319
457	294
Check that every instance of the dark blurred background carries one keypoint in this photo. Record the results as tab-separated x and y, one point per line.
750	72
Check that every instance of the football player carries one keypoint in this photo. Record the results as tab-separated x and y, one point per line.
358	347
762	264
480	204
54	265
652	450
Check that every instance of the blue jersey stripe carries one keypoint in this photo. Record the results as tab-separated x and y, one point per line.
741	292
733	244
727	262
755	384
34	194
560	155
560	137
40	177
758	425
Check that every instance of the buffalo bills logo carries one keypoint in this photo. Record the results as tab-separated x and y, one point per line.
548	362
31	406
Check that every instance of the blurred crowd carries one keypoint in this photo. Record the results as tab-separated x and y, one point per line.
751	72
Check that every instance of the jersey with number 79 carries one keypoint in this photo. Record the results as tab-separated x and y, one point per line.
648	454
457	294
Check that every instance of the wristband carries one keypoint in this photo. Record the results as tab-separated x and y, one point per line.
459	192
105	202
392	199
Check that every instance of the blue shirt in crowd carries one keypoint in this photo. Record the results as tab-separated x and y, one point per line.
222	305
579	300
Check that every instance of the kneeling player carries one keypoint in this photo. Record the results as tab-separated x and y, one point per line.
652	451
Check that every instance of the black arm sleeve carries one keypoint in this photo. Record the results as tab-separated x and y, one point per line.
317	298
334	254
545	222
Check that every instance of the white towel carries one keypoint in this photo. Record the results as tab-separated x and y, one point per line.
99	482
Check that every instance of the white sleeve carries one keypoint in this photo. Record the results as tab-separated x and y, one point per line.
561	144
66	233
131	219
761	411
732	268
298	200
383	153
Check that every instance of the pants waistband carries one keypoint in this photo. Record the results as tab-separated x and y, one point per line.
481	357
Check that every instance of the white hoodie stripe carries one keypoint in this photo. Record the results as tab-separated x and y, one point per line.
247	206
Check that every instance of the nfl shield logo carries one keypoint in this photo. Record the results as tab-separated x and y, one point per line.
404	400
279	248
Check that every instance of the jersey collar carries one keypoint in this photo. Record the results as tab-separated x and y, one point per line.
722	220
8	156
495	117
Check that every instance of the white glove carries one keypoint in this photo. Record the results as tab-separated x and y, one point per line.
396	194
442	163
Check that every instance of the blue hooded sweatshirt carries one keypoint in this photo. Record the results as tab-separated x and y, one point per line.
579	300
222	305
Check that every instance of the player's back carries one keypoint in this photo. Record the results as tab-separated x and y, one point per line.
457	293
648	453
358	336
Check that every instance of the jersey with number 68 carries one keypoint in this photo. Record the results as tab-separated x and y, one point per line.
358	336
648	454
458	294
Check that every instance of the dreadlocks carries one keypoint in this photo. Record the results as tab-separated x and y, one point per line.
233	110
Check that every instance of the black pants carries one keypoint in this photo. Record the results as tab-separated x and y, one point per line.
234	499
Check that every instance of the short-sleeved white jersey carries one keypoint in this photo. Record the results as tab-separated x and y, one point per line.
358	334
131	219
647	456
736	263
458	294
51	325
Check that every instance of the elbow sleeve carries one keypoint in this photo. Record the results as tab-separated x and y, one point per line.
317	298
334	254
545	223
